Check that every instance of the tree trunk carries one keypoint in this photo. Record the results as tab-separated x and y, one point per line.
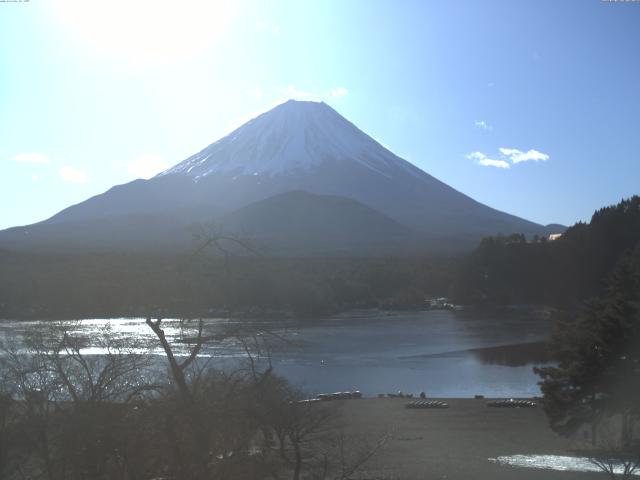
625	430
298	466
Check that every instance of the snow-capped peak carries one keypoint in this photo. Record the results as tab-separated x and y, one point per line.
292	137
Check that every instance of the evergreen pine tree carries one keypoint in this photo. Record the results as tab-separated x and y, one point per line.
598	374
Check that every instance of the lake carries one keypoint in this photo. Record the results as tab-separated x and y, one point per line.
443	353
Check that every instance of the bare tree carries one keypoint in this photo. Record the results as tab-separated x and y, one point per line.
616	464
313	443
615	453
249	423
72	404
106	416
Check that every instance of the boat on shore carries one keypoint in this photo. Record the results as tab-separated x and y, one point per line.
441	303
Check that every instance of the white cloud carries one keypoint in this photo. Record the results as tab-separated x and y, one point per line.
31	157
483	125
73	175
488	162
481	159
513	155
146	166
477	156
339	92
35	178
517	156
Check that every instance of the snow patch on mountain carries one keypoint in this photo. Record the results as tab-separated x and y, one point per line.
293	137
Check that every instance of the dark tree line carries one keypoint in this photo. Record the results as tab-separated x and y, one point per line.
114	285
563	272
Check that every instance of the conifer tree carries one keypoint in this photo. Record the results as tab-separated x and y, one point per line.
598	374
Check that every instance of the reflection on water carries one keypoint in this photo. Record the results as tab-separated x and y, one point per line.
555	462
439	352
516	355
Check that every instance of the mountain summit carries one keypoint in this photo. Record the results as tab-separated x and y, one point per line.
245	180
295	137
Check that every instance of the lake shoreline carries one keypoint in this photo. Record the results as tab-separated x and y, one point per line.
537	311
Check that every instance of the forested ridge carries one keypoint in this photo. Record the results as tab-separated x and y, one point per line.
113	285
502	270
563	272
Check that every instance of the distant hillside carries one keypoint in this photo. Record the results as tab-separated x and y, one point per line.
301	222
46	286
510	269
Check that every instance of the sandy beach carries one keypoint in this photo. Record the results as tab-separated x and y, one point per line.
455	443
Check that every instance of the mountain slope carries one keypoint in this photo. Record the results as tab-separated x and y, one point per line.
309	146
297	146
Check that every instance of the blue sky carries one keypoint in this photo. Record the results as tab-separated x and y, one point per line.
532	107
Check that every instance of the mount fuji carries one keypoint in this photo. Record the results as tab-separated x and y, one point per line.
299	178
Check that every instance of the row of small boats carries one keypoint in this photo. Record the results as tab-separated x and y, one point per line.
427	404
339	395
511	403
508	403
421	403
398	395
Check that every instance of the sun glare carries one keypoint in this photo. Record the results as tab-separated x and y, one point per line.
145	32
